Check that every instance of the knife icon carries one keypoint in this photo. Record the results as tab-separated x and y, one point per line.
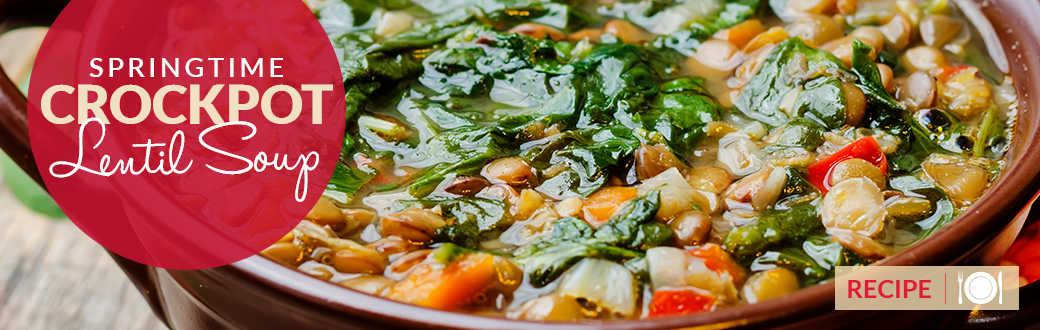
1000	286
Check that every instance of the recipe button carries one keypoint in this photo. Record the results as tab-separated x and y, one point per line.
926	288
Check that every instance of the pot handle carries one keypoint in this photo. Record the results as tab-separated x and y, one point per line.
14	129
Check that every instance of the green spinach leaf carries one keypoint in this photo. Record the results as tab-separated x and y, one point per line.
801	132
681	116
459	151
789	67
588	155
885	113
347	179
618	79
791	225
823	101
944	211
625	236
687	40
814	260
471	219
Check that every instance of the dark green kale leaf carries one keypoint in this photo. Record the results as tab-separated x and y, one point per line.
798	221
440	117
425	36
558	109
522	89
546	266
512	13
633	227
626	236
363	60
688	84
509	12
797	190
356	98
510	81
794	65
795	259
451	71
483	55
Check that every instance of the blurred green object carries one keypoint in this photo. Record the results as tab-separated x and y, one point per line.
27	191
23	187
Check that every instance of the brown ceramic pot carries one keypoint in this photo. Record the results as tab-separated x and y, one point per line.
257	293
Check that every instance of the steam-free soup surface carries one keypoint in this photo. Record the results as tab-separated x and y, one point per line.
579	160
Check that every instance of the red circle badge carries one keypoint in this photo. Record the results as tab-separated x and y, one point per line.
186	134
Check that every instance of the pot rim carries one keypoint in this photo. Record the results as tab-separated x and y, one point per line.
1012	191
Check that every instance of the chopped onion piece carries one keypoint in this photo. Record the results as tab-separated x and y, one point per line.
667	267
740	155
679	16
675	268
611	286
676	193
770	192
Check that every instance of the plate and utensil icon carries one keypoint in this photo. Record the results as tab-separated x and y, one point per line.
980	287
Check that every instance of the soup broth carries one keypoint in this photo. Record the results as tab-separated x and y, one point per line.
596	160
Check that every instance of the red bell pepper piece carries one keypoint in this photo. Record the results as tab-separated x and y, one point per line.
680	302
866	149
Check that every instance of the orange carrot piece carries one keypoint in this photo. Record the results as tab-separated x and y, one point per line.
602	204
450	287
741	34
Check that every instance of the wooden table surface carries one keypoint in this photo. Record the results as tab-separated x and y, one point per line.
52	276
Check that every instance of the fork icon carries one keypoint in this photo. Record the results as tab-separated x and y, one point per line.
960	286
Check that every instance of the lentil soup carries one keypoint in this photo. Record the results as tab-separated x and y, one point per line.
595	160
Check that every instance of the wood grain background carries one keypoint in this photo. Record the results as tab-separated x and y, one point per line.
52	276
